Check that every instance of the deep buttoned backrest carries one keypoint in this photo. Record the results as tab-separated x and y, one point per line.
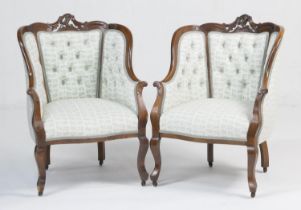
70	59
71	62
231	61
236	63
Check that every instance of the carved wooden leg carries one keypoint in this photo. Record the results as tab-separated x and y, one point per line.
252	159
40	155
264	156
101	152
210	154
48	157
155	148
143	147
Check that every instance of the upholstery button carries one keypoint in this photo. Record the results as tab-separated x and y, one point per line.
179	85
87	67
116	58
200	56
229	83
64	80
254	44
113	44
194	70
237	71
187	57
192	45
239	45
189	85
221	70
85	41
54	69
202	82
243	83
224	44
252	71
79	80
77	55
246	58
52	43
183	71
68	43
61	56
230	58
119	69
70	68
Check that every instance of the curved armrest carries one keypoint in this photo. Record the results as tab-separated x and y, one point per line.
156	110
256	122
37	122
142	111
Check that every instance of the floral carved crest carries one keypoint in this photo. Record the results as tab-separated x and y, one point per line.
67	22
243	23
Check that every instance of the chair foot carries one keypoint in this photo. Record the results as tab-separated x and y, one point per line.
252	159
101	152
40	186
264	153
155	148
143	183
46	167
210	154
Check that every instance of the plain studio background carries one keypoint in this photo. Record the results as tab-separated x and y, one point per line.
75	179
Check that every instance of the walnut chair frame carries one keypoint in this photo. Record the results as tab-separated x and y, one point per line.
67	22
243	23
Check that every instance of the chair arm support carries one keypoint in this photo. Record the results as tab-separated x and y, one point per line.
256	122
142	111
156	110
37	122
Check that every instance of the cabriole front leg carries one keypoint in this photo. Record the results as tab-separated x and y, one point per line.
252	159
40	153
155	148
143	147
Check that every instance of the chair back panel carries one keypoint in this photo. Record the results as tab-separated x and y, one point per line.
236	63
71	62
190	80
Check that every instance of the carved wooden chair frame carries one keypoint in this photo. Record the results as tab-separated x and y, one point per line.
67	22
243	23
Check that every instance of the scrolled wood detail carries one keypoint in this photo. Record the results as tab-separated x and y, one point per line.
244	23
67	22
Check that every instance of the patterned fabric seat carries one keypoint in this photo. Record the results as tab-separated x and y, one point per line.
87	118
209	118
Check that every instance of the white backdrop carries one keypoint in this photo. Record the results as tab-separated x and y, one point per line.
152	24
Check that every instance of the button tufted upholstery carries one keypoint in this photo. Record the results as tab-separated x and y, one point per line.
80	64
71	63
190	80
115	83
236	62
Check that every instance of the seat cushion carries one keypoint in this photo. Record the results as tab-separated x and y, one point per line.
87	118
209	118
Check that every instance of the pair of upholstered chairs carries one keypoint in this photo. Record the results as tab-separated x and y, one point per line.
82	88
